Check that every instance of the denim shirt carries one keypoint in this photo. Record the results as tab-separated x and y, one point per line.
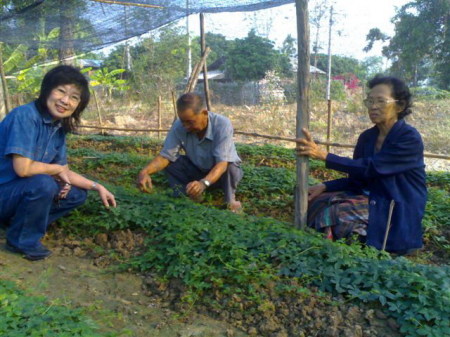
34	135
216	146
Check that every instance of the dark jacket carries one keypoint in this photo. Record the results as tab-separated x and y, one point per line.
396	172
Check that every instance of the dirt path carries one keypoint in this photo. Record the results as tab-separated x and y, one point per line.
115	299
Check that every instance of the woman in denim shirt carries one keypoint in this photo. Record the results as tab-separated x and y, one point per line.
36	185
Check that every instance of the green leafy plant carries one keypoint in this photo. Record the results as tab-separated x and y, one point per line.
217	255
26	315
108	80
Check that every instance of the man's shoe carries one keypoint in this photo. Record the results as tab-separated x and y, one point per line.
32	254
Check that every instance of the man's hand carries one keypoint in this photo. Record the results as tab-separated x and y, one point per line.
315	191
195	189
144	182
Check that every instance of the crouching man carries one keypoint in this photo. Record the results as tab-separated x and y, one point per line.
210	158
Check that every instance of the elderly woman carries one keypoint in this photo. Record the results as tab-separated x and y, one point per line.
36	185
383	198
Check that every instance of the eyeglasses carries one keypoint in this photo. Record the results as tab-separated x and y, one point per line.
380	102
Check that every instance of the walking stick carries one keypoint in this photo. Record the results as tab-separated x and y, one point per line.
388	225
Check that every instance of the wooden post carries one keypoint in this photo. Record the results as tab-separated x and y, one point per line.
194	76
5	91
205	67
99	114
174	102
301	188
329	119
159	116
66	50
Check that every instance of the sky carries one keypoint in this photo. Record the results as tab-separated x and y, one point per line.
353	20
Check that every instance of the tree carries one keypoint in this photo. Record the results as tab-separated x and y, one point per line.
420	48
288	47
373	65
374	35
316	17
108	80
158	62
251	57
341	65
219	45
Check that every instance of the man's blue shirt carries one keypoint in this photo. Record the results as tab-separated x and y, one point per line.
34	135
216	146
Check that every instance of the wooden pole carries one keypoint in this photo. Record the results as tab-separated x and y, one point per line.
302	120
159	116
194	76
66	50
329	119
205	67
99	113
388	224
6	97
174	102
123	3
252	134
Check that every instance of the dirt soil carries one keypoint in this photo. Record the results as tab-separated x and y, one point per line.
115	299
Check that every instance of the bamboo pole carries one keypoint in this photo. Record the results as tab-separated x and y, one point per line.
174	103
194	76
329	120
123	3
388	224
159	116
256	135
302	119
6	97
329	80
99	113
205	67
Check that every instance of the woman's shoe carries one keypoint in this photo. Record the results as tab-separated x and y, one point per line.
33	254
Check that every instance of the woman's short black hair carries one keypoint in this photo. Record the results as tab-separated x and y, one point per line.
400	92
62	75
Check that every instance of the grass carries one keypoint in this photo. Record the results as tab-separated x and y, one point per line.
24	314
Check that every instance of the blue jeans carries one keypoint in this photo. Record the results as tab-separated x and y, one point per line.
28	206
183	171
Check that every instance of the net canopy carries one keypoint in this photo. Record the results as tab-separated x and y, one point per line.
87	25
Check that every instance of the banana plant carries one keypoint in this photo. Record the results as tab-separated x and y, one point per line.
109	80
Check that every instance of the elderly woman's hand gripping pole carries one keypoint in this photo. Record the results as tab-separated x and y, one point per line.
307	147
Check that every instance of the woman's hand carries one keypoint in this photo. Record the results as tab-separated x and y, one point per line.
65	189
63	175
315	191
106	196
307	147
64	181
